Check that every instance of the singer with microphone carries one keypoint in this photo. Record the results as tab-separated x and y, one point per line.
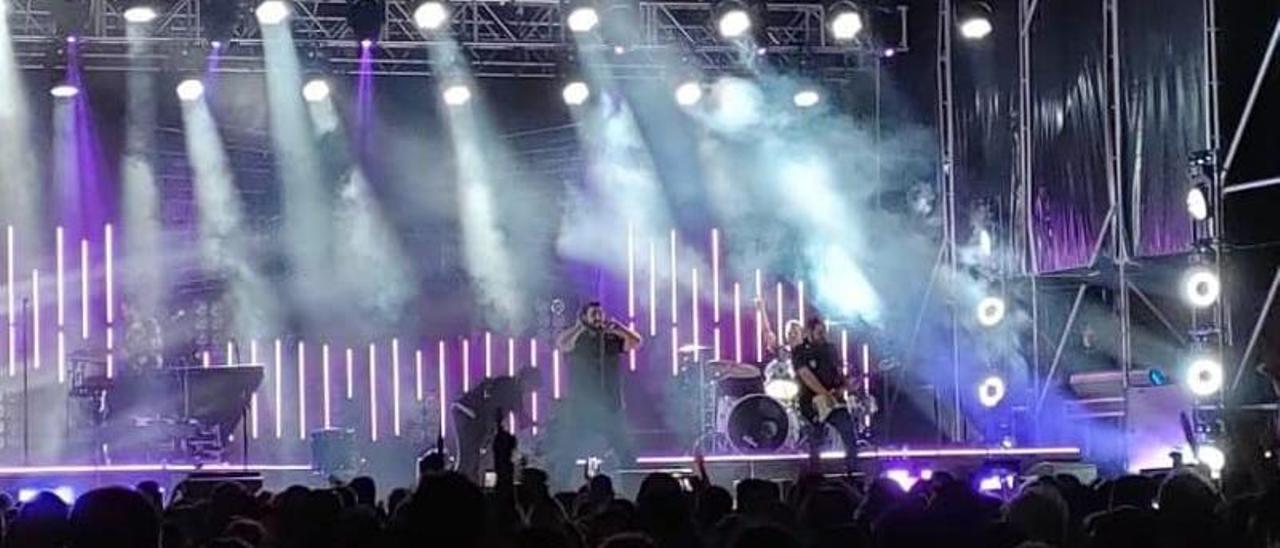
593	347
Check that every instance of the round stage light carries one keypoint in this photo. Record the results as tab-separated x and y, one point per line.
140	14
272	12
1197	204
430	15
1201	287
990	311
976	27
991	391
846	25
456	95
1204	376
583	19
806	98
734	23
576	93
190	90
315	91
1212	457
688	94
64	91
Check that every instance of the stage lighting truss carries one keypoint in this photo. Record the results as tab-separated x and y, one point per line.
1203	376
503	39
366	18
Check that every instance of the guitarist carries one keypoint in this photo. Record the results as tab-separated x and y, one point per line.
822	394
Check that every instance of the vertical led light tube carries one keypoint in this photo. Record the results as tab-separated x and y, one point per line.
85	271
533	395
675	282
325	394
442	389
351	374
737	322
395	387
11	311
653	288
373	391
278	382
866	378
417	375
780	329
693	299
466	365
715	275
302	390
253	399
844	352
35	318
488	355
759	316
800	300
511	357
555	374
61	294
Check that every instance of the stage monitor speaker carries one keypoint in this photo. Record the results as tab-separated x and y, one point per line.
200	485
333	450
1087	473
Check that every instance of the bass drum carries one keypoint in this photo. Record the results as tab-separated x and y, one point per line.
759	424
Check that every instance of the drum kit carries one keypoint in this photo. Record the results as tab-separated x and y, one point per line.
747	408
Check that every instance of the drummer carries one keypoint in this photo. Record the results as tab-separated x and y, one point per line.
793	335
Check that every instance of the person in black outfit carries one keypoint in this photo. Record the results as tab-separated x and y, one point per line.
593	347
477	413
817	366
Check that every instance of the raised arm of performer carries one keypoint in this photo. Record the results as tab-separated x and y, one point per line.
767	333
567	340
631	339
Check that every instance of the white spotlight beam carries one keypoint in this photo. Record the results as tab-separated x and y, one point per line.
17	179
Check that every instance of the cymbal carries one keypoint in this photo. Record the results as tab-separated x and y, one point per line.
691	348
725	369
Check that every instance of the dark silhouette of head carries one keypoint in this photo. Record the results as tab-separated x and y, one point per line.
366	490
114	517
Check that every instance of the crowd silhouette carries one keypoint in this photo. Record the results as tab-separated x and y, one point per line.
1182	509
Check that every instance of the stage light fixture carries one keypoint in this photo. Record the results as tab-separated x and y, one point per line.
845	21
139	14
431	15
583	19
806	98
456	95
1212	457
576	93
315	90
689	94
272	12
975	20
1204	376
190	90
365	17
991	391
990	311
1197	203
1201	286
64	91
734	21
